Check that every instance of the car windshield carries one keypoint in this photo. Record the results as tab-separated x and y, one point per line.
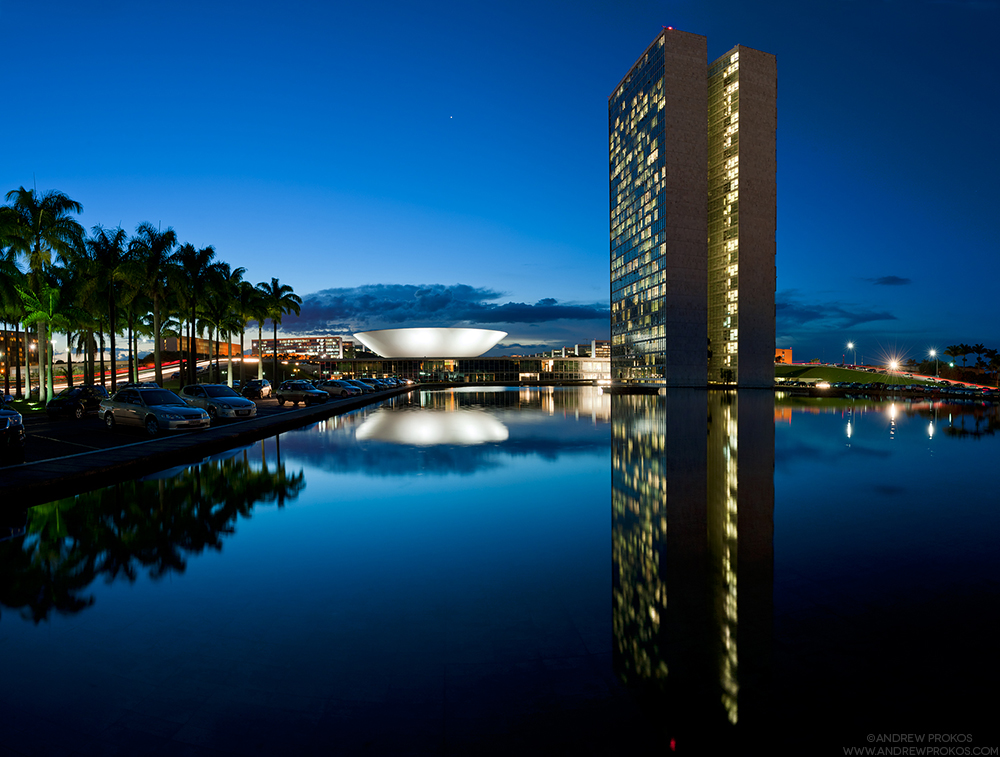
70	392
161	397
220	391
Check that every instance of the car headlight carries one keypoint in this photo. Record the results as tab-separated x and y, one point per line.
173	417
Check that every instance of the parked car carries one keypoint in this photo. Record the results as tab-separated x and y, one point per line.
259	388
155	410
377	385
297	390
338	388
12	436
74	401
365	388
219	400
139	385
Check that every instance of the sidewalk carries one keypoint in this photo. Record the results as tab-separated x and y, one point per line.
43	481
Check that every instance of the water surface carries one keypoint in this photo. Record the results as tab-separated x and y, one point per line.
533	571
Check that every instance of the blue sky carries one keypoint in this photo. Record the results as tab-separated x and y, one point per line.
364	153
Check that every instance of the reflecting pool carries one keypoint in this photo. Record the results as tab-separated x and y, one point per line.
442	574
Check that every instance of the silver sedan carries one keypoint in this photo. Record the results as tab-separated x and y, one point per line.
155	410
219	401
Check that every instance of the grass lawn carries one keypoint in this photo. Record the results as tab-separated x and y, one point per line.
830	373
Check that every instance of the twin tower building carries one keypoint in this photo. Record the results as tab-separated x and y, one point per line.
693	216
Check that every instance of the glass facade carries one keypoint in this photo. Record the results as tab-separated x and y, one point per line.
474	370
637	167
724	218
678	238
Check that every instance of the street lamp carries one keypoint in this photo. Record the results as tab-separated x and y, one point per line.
850	346
934	355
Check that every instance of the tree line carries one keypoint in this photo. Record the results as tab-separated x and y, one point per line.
97	287
987	361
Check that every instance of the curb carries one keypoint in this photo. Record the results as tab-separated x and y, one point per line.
35	483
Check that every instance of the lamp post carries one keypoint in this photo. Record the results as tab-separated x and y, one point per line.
850	346
934	355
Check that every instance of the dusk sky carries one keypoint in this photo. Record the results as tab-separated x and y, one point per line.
405	164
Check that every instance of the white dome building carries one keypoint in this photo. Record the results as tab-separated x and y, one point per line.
430	342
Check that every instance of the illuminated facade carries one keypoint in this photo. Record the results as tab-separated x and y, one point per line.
683	148
742	206
430	342
307	347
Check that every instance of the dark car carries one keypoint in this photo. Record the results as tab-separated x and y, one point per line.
256	388
296	391
74	401
11	433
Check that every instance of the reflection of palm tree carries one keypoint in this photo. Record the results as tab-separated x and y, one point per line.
132	527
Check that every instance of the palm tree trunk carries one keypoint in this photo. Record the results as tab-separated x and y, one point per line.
193	347
260	350
112	328
6	367
69	358
43	360
157	362
128	337
49	365
104	381
275	325
229	361
17	368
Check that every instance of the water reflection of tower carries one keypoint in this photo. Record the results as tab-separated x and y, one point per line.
740	509
692	510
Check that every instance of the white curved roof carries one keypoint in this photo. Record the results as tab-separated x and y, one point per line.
430	342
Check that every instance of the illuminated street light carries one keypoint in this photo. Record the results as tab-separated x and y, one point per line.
850	346
934	355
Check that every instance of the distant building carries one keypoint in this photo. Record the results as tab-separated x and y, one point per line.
692	267
782	356
513	370
201	346
312	348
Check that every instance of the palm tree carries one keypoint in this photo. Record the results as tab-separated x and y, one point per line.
10	311
226	290
279	299
110	255
153	251
49	311
192	273
38	226
246	304
993	363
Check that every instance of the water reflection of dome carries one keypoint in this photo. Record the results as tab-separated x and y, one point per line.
428	427
430	342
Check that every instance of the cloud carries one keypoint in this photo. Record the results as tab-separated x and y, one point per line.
345	310
891	281
791	312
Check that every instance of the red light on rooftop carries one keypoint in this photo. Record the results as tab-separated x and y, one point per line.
670	28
